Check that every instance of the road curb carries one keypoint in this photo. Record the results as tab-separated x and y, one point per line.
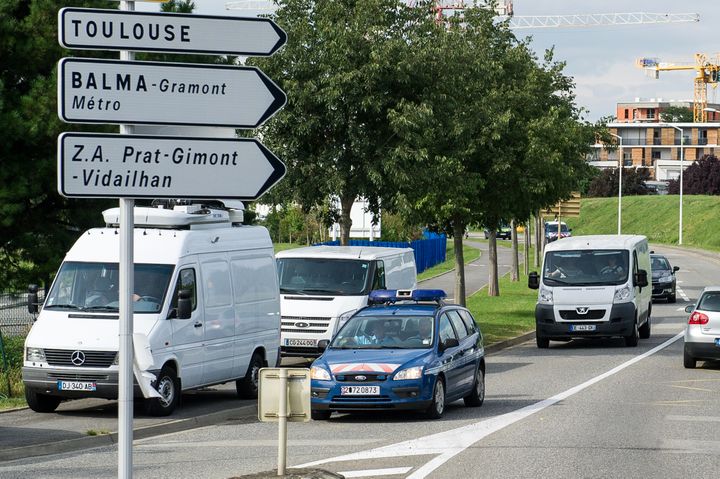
499	346
90	442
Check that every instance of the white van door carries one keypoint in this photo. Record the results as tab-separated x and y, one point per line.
219	318
188	334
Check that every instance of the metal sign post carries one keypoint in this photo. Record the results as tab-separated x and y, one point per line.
127	279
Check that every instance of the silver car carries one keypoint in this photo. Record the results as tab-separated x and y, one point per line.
702	333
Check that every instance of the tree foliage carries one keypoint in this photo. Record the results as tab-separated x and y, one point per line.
339	70
677	114
605	185
38	225
702	177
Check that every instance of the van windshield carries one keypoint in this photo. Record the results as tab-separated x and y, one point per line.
323	276
586	267
94	287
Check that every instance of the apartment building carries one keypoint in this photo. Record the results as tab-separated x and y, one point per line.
648	110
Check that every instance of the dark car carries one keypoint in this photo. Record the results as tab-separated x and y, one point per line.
664	283
504	232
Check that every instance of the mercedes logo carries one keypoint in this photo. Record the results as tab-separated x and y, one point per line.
302	324
360	378
582	310
77	358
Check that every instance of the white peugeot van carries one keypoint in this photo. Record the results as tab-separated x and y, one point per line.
594	286
206	299
322	286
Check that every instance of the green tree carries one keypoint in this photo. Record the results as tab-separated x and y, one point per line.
677	114
340	72
38	225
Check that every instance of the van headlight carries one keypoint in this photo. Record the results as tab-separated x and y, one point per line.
342	319
409	373
35	355
319	373
623	295
546	295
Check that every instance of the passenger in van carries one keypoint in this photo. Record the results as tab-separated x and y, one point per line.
612	268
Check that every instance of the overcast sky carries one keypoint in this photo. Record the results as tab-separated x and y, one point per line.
602	59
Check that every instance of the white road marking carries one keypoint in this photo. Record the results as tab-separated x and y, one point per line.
692	418
682	294
448	444
376	472
680	309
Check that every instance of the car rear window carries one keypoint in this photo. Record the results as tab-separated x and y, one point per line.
710	301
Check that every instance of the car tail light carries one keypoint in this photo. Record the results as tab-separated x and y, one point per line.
698	318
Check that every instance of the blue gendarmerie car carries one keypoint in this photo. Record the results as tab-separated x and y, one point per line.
405	350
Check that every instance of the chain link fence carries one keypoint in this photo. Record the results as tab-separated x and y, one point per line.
15	320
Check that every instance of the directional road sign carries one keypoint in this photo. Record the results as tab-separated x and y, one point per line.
113	91
87	28
143	166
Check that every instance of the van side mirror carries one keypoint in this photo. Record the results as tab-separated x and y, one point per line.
641	278
689	308
184	308
447	344
676	269
32	299
322	345
533	280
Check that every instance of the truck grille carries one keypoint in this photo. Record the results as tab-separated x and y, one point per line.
78	377
311	324
93	359
591	314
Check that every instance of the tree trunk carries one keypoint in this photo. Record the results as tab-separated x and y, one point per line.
493	286
346	203
458	232
527	248
538	242
515	273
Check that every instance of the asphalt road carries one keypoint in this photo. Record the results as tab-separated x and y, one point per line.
591	408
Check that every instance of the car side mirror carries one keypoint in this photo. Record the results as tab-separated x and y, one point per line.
533	280
322	345
641	278
32	299
675	269
689	308
447	344
184	307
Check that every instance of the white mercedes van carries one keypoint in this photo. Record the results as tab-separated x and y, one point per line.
594	286
206	299
322	286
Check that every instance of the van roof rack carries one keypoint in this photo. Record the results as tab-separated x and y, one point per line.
183	214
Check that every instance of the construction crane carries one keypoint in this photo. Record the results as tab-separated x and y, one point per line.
707	71
505	11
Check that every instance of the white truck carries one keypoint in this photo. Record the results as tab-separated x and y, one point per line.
594	286
206	301
322	286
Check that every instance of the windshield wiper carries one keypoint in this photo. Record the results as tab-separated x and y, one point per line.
558	281
64	306
318	290
292	291
102	308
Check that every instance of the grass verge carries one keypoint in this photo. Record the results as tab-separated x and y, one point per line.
469	253
508	315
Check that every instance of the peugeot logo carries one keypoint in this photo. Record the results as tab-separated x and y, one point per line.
360	378
302	324
77	358
582	310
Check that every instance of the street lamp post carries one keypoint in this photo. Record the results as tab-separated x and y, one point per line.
620	169
682	157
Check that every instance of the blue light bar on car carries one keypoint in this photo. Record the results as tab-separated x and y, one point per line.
380	296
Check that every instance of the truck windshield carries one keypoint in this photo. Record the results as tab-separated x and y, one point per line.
586	267
323	276
94	287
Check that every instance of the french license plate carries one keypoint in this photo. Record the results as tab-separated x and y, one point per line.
301	342
582	327
76	386
360	390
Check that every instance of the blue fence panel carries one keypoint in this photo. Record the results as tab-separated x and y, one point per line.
428	252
